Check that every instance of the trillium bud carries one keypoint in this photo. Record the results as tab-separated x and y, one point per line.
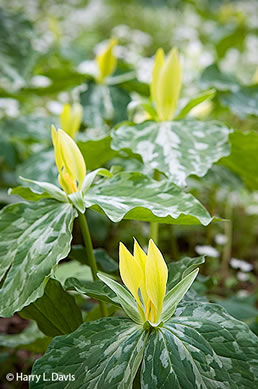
166	83
69	161
106	61
71	118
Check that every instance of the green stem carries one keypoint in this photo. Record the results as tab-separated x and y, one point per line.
154	232
174	248
154	227
90	255
228	246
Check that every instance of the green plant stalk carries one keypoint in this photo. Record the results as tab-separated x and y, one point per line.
228	246
90	255
154	227
173	243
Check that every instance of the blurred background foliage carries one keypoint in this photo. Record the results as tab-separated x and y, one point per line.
47	58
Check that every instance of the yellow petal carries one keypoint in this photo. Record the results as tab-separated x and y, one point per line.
69	161
58	156
158	63
156	274
70	118
65	118
76	119
106	61
168	90
140	257
130	271
72	158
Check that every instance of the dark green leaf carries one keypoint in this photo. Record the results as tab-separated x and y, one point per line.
104	261
243	159
95	289
96	152
56	312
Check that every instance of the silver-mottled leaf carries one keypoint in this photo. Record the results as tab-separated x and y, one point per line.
103	354
202	347
33	238
138	197
178	148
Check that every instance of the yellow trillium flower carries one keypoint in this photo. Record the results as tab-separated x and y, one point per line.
146	277
71	118
106	61
69	161
166	83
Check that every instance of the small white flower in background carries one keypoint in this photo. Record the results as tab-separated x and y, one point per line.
9	107
242	276
240	264
40	81
207	250
88	67
252	210
221	239
55	107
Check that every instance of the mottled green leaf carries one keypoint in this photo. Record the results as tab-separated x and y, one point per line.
56	312
33	238
203	347
138	197
178	148
244	102
40	166
17	54
213	77
103	354
104	103
29	128
243	159
179	269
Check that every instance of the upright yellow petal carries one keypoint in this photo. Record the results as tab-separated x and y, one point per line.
72	158
65	118
69	161
130	271
76	119
140	257
156	274
169	86
158	63
58	156
70	118
106	61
